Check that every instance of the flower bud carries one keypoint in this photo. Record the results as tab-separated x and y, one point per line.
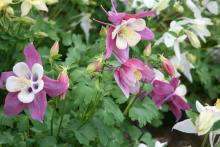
179	8
191	58
94	67
50	2
147	50
41	34
167	66
63	77
10	11
217	104
204	122
103	32
27	20
4	3
194	40
54	49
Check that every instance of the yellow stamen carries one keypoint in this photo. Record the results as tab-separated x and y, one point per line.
137	75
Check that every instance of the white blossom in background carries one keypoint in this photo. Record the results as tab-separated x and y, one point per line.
211	6
208	115
85	24
28	4
183	65
157	144
171	41
157	5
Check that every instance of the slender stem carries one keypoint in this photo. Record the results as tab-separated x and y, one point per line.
51	123
133	99
61	119
204	140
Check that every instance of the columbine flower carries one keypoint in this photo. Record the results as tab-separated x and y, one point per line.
27	5
172	41
28	86
129	74
63	78
204	122
4	3
126	30
199	24
183	65
167	66
171	93
212	6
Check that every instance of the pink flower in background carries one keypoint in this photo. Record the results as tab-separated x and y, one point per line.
129	74
171	93
168	66
126	31
28	86
63	78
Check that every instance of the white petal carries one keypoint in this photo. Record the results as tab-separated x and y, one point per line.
13	84
40	5
213	7
37	72
177	50
25	8
194	8
181	90
169	39
132	37
158	75
199	107
121	42
211	139
181	38
38	86
21	69
142	145
25	97
185	126
116	31
137	25
159	144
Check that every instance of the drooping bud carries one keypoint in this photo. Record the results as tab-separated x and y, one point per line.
167	66
10	11
94	67
54	49
63	77
41	34
103	32
194	40
147	50
50	2
179	8
191	58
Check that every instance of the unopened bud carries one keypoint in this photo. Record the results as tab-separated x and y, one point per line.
179	8
54	49
194	40
147	50
94	67
50	2
191	58
27	20
103	32
63	77
9	11
41	34
167	66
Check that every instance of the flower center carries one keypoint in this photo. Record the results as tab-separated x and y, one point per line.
137	75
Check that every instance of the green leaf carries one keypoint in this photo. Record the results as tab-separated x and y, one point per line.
118	95
144	111
67	38
147	139
110	112
47	141
6	138
148	88
191	115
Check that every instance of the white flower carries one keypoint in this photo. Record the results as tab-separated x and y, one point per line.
157	144
194	40
175	27
184	65
199	24
27	83
157	5
172	41
126	34
212	6
27	5
204	122
4	3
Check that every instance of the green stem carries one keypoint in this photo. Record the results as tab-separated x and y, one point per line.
61	119
51	123
133	99
204	140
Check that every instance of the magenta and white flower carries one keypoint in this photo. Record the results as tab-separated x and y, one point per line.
125	31
27	86
129	75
